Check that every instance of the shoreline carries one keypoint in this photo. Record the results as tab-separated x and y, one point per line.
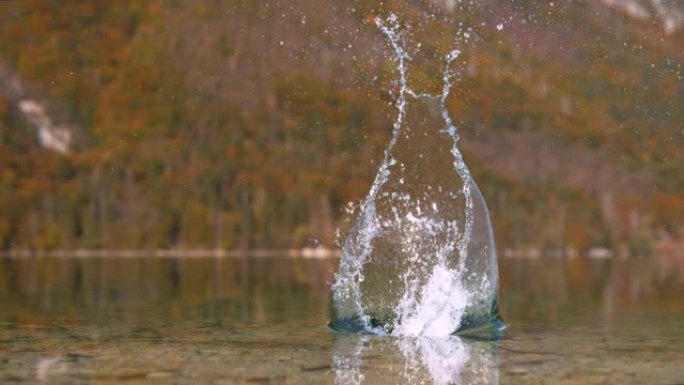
172	253
317	252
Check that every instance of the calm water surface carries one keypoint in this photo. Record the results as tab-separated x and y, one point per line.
263	321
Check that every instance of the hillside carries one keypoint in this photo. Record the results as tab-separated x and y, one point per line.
251	124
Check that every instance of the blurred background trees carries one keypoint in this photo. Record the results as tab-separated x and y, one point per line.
243	124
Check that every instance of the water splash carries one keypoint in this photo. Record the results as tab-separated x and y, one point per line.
420	259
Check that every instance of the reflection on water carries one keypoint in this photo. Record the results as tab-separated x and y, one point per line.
597	293
147	291
50	367
421	360
152	291
347	359
247	321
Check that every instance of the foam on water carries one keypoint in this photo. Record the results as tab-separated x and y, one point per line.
437	309
419	260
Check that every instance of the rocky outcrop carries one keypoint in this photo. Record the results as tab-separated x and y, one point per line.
51	135
669	14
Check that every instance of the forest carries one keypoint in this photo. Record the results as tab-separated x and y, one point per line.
250	125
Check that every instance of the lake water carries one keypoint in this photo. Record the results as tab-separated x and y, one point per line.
263	321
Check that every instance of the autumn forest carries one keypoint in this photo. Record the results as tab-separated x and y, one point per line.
251	124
